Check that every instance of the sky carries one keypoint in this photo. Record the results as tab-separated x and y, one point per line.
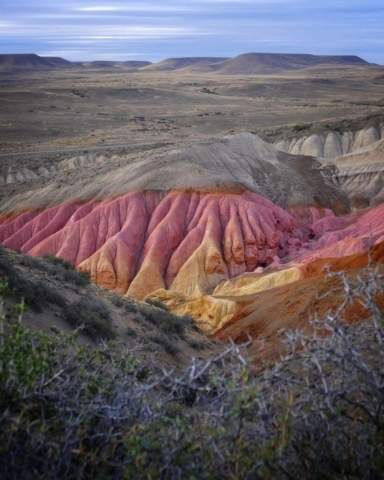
157	29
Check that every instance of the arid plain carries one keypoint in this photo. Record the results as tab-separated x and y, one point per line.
81	108
50	115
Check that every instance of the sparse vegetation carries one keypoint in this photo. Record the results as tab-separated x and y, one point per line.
167	322
52	297
58	268
156	313
34	292
58	261
165	342
69	411
92	316
157	303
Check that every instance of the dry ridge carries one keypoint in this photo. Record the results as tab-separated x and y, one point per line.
238	162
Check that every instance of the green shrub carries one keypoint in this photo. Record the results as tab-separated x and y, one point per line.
93	316
166	321
58	262
66	271
166	343
4	286
57	267
155	302
34	292
25	357
69	411
75	277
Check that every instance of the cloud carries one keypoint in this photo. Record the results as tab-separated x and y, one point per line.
104	31
141	7
106	8
6	26
193	27
77	54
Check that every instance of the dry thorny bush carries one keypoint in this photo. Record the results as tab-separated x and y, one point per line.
75	412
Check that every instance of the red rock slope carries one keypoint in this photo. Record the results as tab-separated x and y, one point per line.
140	242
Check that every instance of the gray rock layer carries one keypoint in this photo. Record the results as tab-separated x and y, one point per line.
361	175
331	145
231	163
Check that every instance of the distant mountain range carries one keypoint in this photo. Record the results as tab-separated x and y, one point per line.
29	61
129	64
252	63
193	63
245	64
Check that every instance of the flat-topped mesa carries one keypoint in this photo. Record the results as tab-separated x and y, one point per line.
254	63
31	61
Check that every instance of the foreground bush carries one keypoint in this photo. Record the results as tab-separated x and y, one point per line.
57	268
74	412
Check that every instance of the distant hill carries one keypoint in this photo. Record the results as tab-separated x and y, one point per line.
245	64
105	64
253	63
30	61
197	64
136	63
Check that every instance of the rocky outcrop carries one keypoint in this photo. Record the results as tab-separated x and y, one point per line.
361	175
49	171
338	244
265	316
331	145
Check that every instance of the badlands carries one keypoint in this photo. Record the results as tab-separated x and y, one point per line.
239	192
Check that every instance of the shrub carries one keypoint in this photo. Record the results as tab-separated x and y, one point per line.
166	321
75	277
165	343
93	316
117	300
25	358
78	412
34	292
58	268
155	302
66	271
57	261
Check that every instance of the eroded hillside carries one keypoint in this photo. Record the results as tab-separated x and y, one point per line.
212	230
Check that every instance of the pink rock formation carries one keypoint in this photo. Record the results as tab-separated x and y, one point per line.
348	235
142	241
188	242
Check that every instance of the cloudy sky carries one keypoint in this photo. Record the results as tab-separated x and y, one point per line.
156	29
